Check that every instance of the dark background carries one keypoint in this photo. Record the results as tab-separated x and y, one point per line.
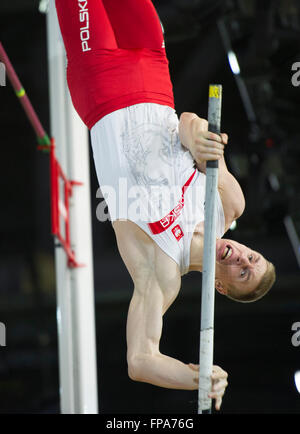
252	341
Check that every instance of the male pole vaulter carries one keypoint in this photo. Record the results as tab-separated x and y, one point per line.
120	85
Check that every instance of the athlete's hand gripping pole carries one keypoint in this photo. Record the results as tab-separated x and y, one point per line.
209	260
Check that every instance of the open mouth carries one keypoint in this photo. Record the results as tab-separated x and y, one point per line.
227	252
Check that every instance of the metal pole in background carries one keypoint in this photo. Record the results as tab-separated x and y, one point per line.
209	259
41	134
75	286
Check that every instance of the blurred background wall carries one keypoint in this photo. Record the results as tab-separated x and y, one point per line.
252	342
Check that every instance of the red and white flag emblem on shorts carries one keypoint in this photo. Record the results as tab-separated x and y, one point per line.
177	232
163	224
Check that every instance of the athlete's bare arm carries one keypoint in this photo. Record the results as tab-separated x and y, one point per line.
157	281
204	146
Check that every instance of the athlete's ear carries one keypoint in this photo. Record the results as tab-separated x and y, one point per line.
220	287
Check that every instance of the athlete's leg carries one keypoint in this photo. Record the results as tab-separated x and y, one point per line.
135	23
84	25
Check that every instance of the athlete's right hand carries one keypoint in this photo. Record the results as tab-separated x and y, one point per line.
202	144
206	146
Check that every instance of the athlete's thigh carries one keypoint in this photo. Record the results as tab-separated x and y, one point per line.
85	26
135	23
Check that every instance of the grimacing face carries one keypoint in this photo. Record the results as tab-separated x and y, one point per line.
238	265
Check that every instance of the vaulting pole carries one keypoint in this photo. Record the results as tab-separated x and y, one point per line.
209	260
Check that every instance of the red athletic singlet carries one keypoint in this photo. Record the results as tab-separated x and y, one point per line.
116	55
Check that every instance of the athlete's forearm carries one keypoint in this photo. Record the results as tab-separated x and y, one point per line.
144	328
164	371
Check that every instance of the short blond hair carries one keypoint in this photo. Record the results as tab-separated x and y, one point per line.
264	286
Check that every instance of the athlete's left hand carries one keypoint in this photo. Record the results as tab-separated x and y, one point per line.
219	383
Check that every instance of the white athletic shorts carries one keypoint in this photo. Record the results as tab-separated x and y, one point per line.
148	177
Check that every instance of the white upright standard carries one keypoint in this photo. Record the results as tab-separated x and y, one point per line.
75	286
